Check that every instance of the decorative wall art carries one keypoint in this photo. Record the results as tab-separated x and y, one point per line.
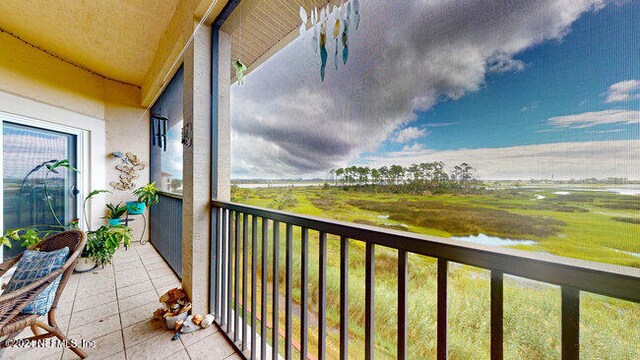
128	168
340	18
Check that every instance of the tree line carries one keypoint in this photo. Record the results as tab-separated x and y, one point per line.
429	176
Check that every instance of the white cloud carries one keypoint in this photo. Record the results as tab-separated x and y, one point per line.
600	159
501	63
406	56
590	119
623	91
410	133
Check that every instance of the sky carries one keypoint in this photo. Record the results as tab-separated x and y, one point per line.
529	89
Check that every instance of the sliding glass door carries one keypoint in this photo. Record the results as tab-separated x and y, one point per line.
33	195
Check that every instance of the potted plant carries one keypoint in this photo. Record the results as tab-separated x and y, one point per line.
147	196
102	245
31	235
115	212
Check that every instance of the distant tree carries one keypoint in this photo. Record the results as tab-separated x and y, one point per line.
375	176
339	174
462	173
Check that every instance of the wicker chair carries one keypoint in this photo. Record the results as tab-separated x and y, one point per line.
12	321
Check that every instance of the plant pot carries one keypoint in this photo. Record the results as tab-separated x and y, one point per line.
135	208
85	264
172	320
115	222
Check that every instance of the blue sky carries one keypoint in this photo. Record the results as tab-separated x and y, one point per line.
537	89
559	78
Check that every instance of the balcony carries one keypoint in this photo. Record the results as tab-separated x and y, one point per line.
154	78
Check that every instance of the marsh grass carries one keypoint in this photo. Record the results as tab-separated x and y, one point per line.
609	327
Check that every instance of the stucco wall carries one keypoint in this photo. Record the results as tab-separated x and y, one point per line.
40	86
127	129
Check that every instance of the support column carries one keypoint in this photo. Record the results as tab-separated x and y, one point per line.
196	170
221	106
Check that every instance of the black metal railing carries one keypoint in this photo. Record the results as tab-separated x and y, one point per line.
165	230
230	257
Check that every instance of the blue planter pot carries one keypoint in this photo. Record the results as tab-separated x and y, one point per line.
135	208
115	222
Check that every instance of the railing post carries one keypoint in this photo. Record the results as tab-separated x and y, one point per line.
263	289
254	283
304	274
402	304
369	302
570	323
236	282
289	298
229	268
223	267
344	298
245	255
322	301
497	299
276	290
443	351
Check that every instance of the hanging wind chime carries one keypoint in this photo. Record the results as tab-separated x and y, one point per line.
341	21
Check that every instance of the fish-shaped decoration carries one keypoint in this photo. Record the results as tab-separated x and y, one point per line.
336	32
323	51
303	26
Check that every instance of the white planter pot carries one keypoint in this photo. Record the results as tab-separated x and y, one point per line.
85	264
172	320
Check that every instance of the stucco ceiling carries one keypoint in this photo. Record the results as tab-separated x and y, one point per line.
114	38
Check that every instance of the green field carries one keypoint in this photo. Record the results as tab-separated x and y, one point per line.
597	226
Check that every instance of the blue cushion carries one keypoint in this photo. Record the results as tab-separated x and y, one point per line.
35	265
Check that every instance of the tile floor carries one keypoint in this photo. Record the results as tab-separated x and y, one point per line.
113	307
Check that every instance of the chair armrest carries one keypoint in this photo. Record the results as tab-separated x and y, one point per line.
5	266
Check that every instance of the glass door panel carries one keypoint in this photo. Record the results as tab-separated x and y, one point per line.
27	186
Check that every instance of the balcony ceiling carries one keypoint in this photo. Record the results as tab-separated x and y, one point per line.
259	28
114	38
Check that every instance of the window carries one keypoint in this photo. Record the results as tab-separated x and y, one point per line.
166	129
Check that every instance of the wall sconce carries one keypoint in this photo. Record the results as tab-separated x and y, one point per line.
159	127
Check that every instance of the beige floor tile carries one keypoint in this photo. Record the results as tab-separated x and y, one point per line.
104	346
159	266
171	279
134	289
138	300
87	291
81	318
64	308
160	273
118	356
180	355
194	337
94	300
126	279
157	347
132	267
96	328
142	331
214	346
138	314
